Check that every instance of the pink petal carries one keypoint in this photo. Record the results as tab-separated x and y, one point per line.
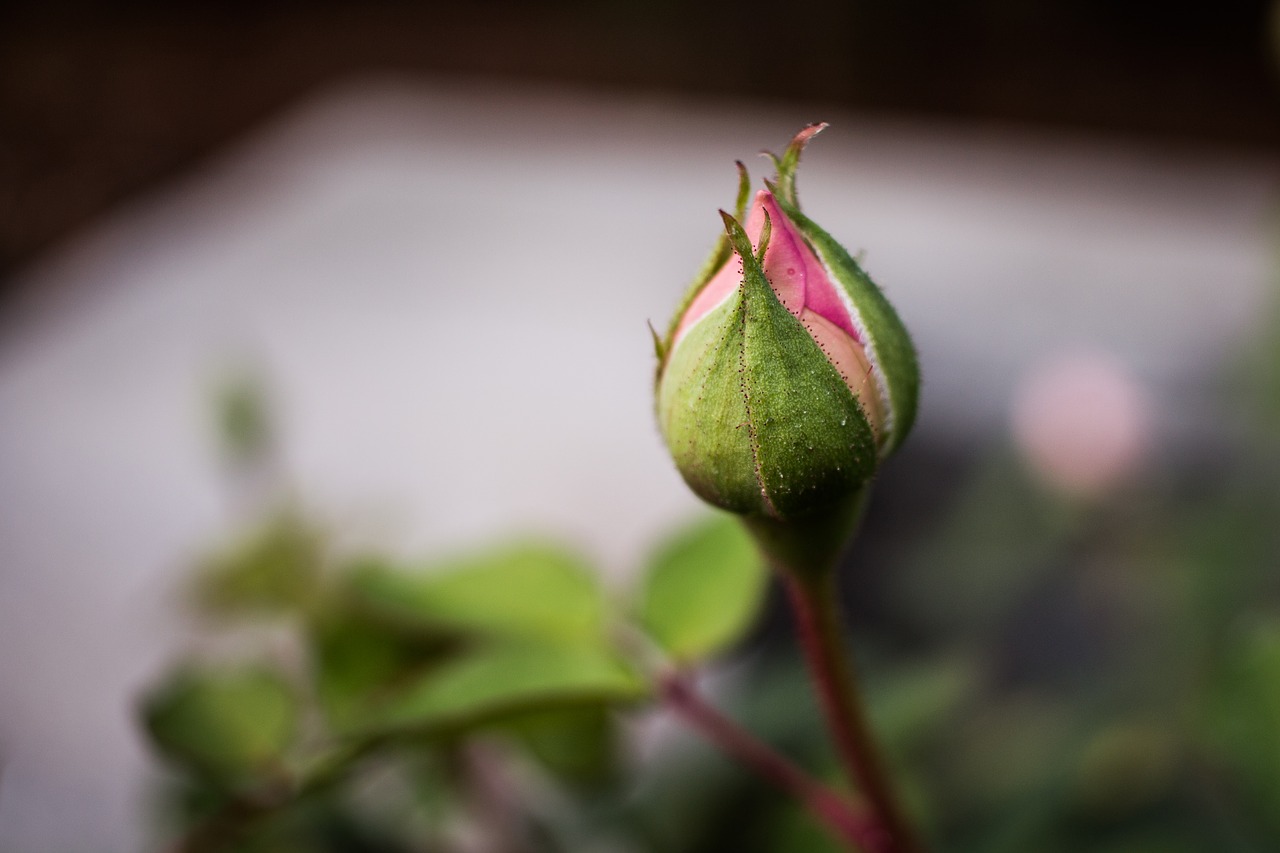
721	285
792	269
785	265
850	359
790	265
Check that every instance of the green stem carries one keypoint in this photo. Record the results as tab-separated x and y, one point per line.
827	807
814	600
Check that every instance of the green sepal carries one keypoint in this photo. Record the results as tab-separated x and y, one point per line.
720	255
744	191
766	234
742	243
814	444
702	414
234	727
786	165
756	417
886	340
659	345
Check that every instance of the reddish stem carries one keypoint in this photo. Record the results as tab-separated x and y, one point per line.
830	809
815	603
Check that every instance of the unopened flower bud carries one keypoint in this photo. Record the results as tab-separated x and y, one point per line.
786	377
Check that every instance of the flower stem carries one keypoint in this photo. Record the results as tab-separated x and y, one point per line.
828	807
815	603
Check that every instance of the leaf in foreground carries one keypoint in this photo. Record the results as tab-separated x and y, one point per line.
498	681
532	590
703	589
229	725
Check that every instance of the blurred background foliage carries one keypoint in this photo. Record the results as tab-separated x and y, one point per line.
1048	670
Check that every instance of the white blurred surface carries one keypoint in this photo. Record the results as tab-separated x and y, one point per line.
448	285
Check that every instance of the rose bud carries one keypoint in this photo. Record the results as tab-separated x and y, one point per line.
786	377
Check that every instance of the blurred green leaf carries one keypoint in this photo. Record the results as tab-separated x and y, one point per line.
703	589
502	680
797	831
232	726
1155	841
274	569
1226	547
244	418
1125	767
1259	366
360	663
1241	717
532	590
911	706
1011	751
578	745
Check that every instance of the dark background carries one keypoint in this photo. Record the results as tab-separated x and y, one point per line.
99	101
